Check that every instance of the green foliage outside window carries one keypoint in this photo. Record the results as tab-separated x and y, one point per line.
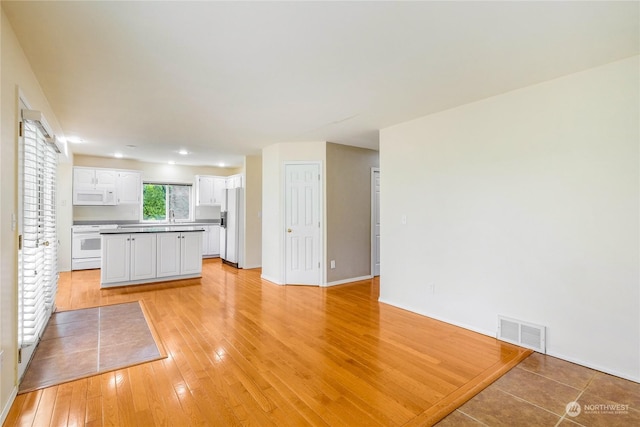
160	199
154	206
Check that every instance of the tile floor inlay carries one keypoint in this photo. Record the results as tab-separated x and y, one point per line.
81	343
539	392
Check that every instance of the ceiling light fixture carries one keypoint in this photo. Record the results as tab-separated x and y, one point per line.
171	162
183	152
118	155
130	146
75	140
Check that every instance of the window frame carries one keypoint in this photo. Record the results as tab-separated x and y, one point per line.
167	220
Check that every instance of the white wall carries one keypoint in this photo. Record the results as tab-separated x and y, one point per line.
273	159
16	73
525	205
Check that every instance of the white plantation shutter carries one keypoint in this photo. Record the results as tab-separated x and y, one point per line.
37	260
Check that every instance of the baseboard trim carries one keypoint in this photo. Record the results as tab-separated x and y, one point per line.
250	267
270	279
7	407
549	352
352	279
596	367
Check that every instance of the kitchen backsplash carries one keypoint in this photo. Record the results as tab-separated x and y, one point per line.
207	212
131	213
106	213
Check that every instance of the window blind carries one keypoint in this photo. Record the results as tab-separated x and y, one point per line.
37	258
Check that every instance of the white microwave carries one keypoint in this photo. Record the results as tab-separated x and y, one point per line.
94	197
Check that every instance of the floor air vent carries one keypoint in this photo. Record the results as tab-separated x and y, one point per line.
522	333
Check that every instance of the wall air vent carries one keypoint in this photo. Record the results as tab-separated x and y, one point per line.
522	333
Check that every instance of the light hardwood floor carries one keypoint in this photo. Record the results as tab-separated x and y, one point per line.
242	351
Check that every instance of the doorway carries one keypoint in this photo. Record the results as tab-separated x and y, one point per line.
375	221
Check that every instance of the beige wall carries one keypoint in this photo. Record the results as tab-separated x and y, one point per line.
253	212
16	73
524	205
348	206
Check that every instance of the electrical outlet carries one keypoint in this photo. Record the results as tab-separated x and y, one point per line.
432	288
403	219
333	263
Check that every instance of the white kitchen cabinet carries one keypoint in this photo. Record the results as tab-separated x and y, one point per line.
211	241
83	177
105	178
204	190
191	254
179	254
219	185
150	256
128	257
235	181
94	178
209	190
143	259
116	258
125	184
214	240
129	187
168	254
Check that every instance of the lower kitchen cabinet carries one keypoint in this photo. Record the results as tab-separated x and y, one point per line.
143	257
129	257
211	241
179	254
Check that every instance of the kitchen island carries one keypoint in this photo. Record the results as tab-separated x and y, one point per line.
137	255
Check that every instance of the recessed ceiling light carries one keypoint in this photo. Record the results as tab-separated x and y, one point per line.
171	162
75	140
183	152
130	146
118	155
221	164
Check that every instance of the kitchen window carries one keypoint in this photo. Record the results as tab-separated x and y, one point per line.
166	202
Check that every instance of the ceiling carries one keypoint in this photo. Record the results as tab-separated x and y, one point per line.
225	79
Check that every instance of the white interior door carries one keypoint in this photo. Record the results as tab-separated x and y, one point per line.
375	221
302	224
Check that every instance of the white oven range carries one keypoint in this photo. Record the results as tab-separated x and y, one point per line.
86	249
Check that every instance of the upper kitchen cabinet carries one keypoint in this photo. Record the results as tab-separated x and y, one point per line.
129	187
234	181
93	178
99	186
209	190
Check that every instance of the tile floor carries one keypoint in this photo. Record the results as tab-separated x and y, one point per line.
79	343
537	391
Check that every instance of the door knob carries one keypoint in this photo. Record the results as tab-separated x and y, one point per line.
288	230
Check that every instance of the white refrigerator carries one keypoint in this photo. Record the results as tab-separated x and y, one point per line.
231	230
